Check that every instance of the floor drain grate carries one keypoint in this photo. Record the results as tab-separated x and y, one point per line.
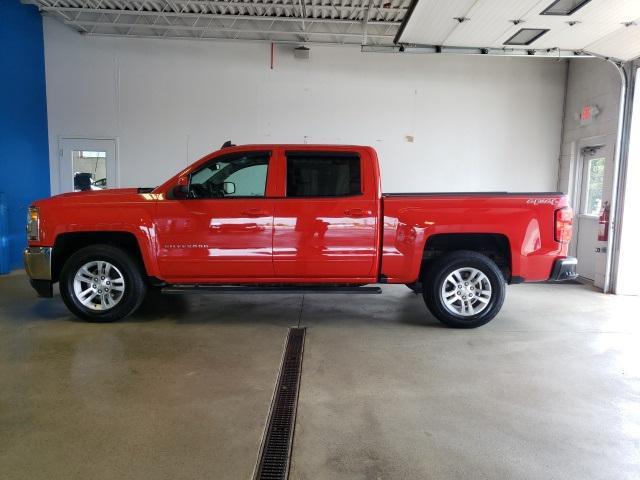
278	438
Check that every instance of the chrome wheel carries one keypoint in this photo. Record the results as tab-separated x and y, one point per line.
466	291
98	285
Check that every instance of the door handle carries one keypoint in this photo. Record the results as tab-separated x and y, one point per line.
357	212
254	212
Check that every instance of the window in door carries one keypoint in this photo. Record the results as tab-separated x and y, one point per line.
87	164
89	170
243	176
593	195
318	175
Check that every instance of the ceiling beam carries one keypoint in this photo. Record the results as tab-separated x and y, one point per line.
347	41
509	52
183	4
221	16
132	26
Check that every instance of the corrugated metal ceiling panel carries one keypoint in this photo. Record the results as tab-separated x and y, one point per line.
489	20
623	43
599	27
433	20
608	11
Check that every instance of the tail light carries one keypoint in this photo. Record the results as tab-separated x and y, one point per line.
564	225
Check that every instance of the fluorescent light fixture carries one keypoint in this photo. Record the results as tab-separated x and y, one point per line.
526	36
564	7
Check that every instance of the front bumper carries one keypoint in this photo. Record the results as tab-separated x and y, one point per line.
37	263
564	269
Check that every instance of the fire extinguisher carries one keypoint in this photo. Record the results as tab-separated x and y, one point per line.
603	223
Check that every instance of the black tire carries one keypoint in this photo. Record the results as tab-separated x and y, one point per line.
436	275
131	271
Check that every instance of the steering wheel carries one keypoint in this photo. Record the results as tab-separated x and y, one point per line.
216	189
198	191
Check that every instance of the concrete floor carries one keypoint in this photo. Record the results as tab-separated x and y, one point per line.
550	389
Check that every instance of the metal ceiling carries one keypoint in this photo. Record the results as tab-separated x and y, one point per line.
609	28
371	22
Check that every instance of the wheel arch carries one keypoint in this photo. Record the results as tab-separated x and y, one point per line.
68	243
496	246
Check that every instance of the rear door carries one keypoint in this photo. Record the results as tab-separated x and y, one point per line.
325	225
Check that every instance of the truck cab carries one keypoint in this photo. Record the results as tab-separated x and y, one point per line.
272	214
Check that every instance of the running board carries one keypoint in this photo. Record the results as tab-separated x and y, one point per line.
200	288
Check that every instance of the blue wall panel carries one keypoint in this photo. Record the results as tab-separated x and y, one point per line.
24	150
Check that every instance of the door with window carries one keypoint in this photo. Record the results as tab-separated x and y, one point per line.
224	228
87	164
589	199
325	226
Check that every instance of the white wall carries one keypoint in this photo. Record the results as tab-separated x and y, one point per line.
478	123
590	82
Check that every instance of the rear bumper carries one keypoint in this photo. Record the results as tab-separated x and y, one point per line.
564	269
37	263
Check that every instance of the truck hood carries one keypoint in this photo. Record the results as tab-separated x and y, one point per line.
115	195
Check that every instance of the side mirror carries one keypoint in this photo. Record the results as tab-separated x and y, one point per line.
180	192
229	188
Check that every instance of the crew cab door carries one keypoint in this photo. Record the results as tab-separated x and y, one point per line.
224	228
325	226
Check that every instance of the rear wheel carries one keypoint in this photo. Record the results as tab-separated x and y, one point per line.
464	289
101	283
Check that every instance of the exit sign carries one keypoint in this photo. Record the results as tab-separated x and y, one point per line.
588	113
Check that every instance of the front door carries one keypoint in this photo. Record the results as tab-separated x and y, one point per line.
87	164
592	167
326	225
224	229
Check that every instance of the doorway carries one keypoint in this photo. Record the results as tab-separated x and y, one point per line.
87	164
591	167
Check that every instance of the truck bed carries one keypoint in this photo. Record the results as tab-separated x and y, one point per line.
467	194
524	220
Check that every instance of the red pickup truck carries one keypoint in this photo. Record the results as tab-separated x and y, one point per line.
294	217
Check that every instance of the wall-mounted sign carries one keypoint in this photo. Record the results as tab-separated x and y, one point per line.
588	114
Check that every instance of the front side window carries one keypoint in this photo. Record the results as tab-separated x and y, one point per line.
244	175
321	175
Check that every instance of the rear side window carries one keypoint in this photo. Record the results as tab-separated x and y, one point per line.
322	175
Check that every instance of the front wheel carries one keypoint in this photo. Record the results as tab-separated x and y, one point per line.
464	289
102	283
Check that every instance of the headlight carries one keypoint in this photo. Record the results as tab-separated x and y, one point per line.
33	224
